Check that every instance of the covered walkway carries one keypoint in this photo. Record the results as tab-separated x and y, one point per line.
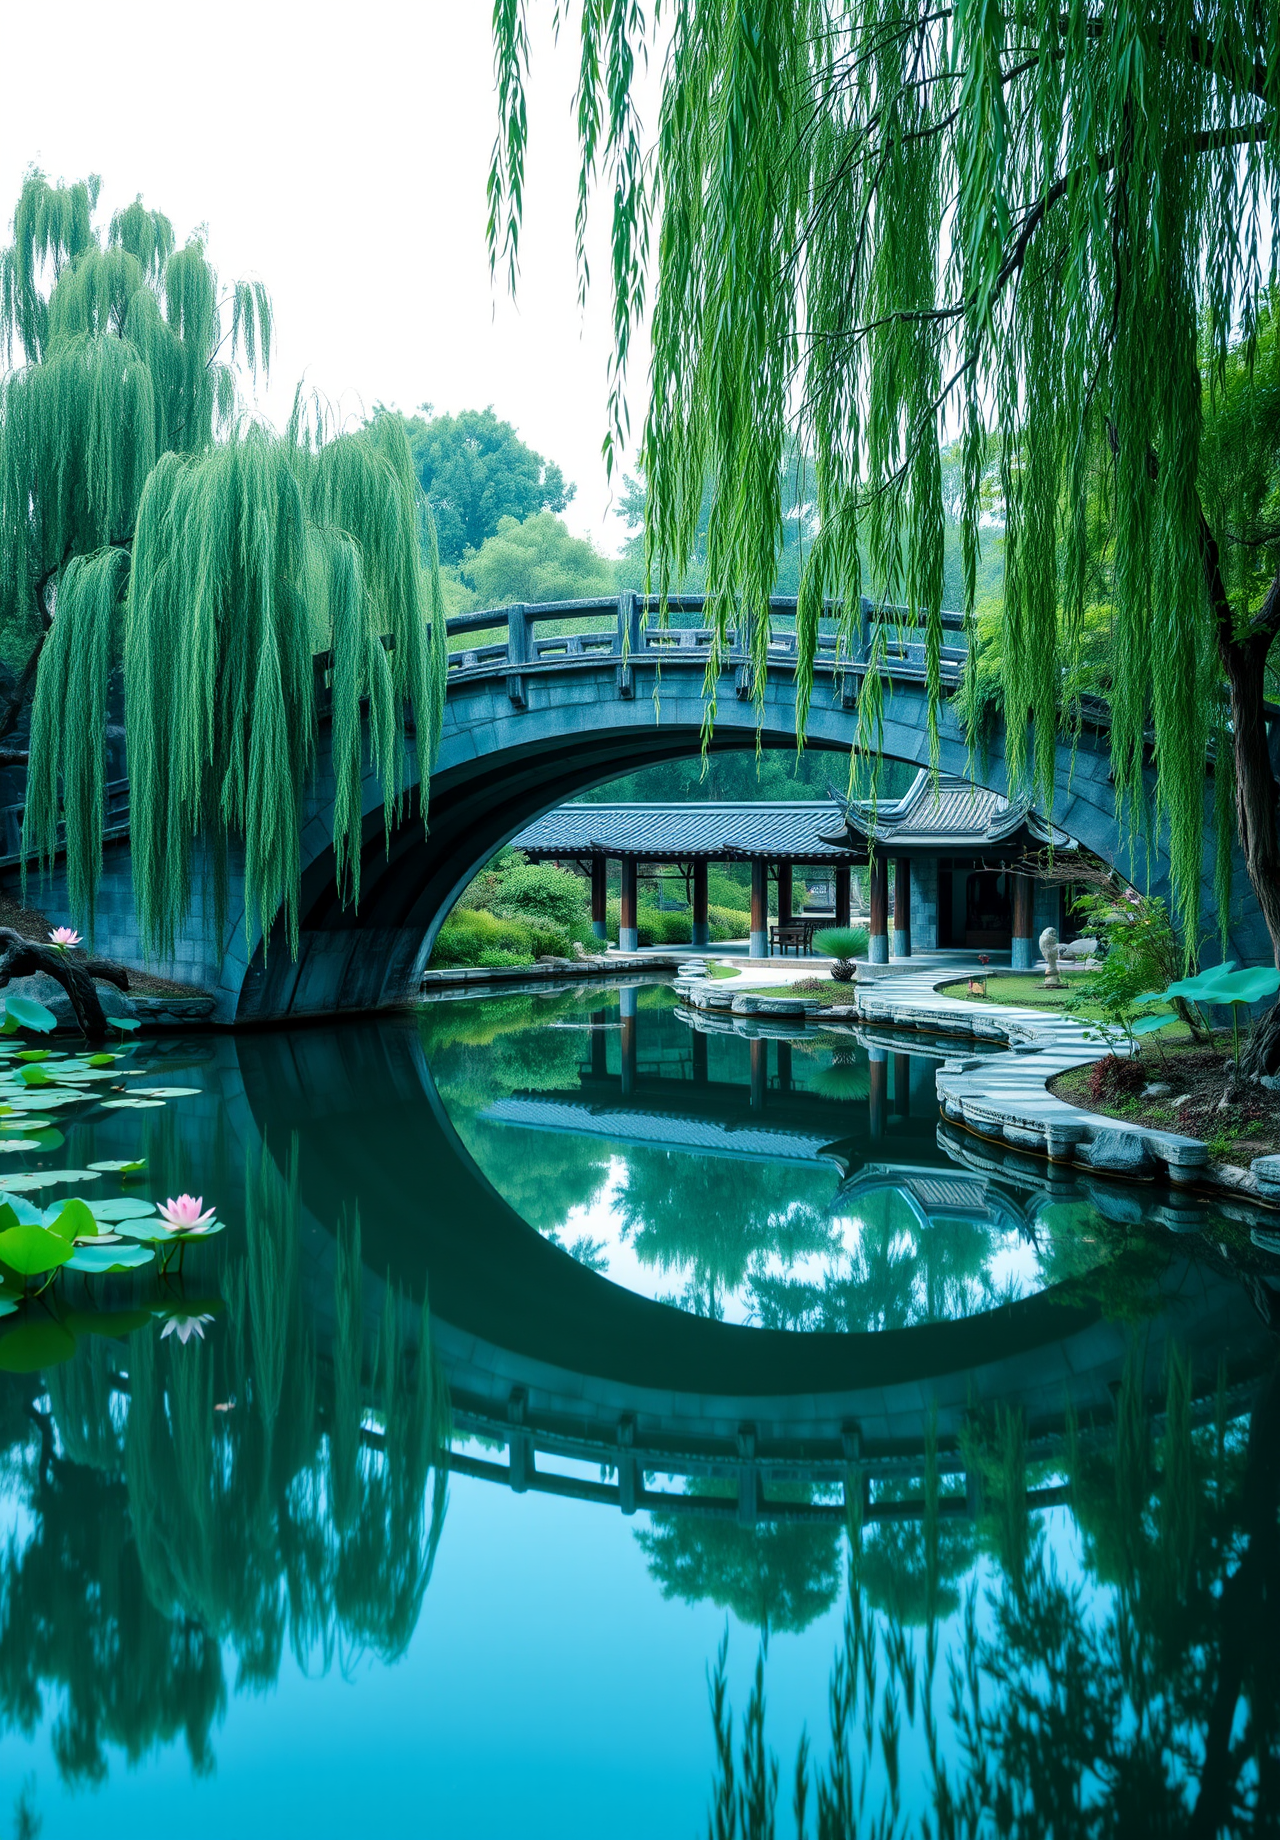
953	847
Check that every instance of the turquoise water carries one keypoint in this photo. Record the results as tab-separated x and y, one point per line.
723	1334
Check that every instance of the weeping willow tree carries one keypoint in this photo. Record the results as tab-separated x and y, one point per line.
148	529
876	226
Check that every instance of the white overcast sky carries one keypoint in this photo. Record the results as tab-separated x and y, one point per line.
340	153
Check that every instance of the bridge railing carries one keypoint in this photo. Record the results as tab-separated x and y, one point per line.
630	629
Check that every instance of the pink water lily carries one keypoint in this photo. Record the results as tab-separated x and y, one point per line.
184	1327
64	937
184	1215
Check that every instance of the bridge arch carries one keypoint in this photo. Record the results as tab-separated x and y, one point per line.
532	722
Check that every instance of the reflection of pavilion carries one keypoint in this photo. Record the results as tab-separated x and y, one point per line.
934	1195
953	847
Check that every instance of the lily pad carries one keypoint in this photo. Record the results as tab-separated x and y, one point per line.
20	1143
13	1204
119	1167
167	1092
23	1013
96	1260
137	1105
126	1024
122	1207
30	1250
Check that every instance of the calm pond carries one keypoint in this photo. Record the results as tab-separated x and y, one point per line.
556	1349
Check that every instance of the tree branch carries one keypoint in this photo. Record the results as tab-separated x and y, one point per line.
22	957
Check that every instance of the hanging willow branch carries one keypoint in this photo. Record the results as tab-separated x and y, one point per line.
142	532
884	227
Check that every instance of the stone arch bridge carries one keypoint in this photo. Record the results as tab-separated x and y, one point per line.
544	703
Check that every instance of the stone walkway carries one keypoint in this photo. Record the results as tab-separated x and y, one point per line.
1005	1096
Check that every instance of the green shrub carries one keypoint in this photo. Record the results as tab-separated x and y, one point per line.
729	922
539	893
472	936
841	941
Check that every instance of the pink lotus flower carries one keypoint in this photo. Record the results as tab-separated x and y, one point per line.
184	1215
184	1327
64	937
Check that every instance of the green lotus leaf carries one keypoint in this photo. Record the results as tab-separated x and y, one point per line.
1150	1025
97	1260
35	1076
1249	986
118	1165
36	1054
21	1210
39	1341
103	1060
1196	989
137	1105
167	1092
126	1024
23	1013
122	1207
20	1143
73	1221
30	1250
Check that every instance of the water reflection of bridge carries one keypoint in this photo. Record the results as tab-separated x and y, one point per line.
598	1392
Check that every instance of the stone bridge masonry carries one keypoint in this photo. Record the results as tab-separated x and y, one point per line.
533	719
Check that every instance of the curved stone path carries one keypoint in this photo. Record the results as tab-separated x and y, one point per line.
1005	1096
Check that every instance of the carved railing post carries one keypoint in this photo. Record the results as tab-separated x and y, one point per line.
517	651
627	643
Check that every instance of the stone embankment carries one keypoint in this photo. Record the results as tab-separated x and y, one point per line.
1002	1097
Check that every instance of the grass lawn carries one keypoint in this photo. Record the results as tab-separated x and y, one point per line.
826	991
1027	989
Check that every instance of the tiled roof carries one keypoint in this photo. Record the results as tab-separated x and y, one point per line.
664	833
946	812
948	815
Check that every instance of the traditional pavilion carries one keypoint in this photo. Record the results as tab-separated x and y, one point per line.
953	848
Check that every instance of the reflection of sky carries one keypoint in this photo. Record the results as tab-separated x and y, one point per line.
1012	1266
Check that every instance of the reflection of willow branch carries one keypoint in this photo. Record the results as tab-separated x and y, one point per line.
386	1549
230	1492
1086	1706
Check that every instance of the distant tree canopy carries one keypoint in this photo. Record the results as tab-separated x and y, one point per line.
475	471
537	560
147	526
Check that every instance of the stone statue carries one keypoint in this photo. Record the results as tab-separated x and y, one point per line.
1049	953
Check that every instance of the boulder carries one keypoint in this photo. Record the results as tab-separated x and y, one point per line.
1266	1173
1118	1153
41	988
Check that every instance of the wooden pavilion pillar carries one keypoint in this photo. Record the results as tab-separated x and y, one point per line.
599	1044
843	906
878	952
902	1085
1022	952
701	932
600	894
759	1046
784	1065
878	1073
759	947
902	907
785	898
628	1005
698	1042
627	940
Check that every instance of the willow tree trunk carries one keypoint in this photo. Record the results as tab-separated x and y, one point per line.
1243	657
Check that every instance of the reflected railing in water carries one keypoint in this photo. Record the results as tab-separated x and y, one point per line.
228	1491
